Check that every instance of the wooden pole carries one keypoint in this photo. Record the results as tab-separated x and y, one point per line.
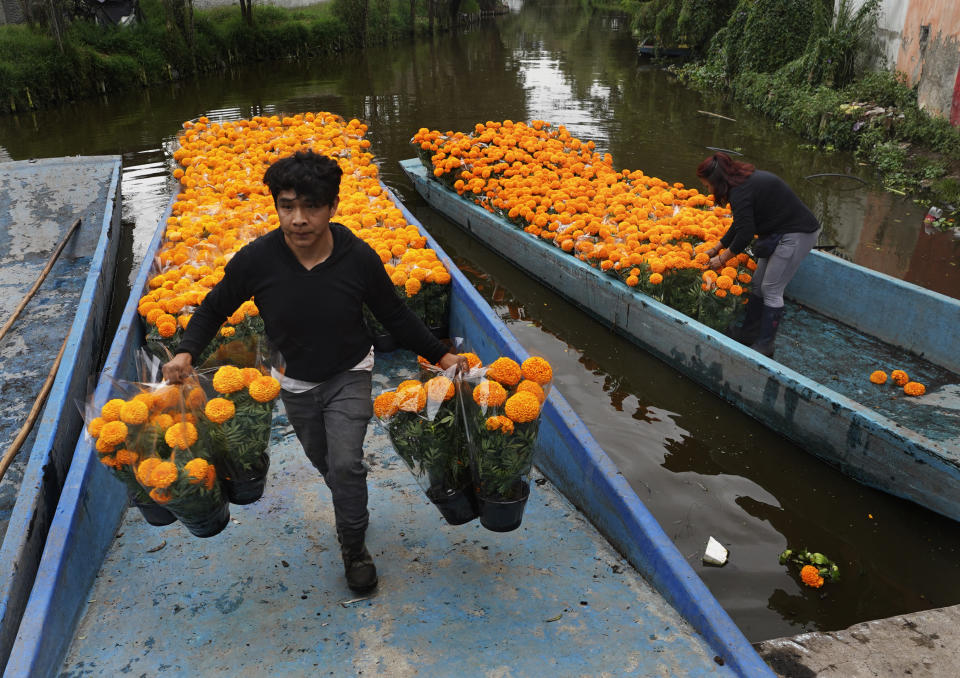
717	115
43	276
34	413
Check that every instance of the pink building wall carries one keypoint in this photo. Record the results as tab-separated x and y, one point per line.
930	54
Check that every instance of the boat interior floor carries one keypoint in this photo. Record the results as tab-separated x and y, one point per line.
842	359
267	596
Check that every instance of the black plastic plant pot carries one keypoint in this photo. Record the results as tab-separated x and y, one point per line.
209	525
456	506
246	486
155	514
499	515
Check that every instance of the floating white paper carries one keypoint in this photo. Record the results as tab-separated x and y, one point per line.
715	553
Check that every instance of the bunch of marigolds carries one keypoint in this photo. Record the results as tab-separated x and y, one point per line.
223	204
649	234
156	442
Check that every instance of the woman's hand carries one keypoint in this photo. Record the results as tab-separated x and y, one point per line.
453	360
715	263
179	368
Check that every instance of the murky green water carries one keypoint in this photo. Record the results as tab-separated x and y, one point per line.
701	467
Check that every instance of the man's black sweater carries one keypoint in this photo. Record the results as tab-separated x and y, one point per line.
764	204
314	318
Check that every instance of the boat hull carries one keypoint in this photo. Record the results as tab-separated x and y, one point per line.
863	444
73	304
92	506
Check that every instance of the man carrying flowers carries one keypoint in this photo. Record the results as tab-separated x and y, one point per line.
311	278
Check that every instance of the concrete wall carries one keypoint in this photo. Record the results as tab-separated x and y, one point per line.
921	38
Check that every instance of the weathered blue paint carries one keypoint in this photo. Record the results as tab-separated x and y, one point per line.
39	202
905	315
453	601
870	446
91	506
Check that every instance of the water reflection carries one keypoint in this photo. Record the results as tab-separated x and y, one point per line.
702	467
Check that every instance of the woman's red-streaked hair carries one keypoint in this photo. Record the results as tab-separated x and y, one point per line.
723	173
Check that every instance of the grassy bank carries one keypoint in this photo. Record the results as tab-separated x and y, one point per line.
35	72
810	67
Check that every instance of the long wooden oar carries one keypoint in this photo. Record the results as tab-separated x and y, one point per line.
34	413
43	276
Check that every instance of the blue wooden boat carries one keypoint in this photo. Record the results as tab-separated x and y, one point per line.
39	200
267	595
843	322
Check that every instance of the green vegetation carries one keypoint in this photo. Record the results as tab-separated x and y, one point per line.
807	67
48	65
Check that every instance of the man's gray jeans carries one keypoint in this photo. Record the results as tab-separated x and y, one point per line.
330	421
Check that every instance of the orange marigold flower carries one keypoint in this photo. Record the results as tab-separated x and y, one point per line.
899	377
439	389
249	374
93	428
104	447
914	388
533	387
163	420
127	457
113	433
489	394
146	399
506	425
145	468
196	399
493	423
264	389
165	398
227	331
228	379
729	271
160	495
878	377
219	410
111	409
211	477
655	279
411	398
108	461
724	282
181	435
811	576
472	360
385	404
537	369
411	286
505	370
167	330
164	474
522	407
744	278
196	470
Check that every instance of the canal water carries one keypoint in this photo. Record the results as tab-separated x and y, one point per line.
701	467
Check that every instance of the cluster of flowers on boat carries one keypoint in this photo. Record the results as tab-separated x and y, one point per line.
815	568
648	233
898	378
176	447
223	205
469	439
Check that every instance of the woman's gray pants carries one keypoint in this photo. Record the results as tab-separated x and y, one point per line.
330	421
774	272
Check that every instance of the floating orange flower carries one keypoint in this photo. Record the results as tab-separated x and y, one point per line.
811	576
899	377
219	410
440	389
537	369
228	379
878	377
181	435
385	404
489	394
914	388
522	407
505	370
264	389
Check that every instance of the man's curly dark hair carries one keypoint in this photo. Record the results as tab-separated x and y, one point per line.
311	175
